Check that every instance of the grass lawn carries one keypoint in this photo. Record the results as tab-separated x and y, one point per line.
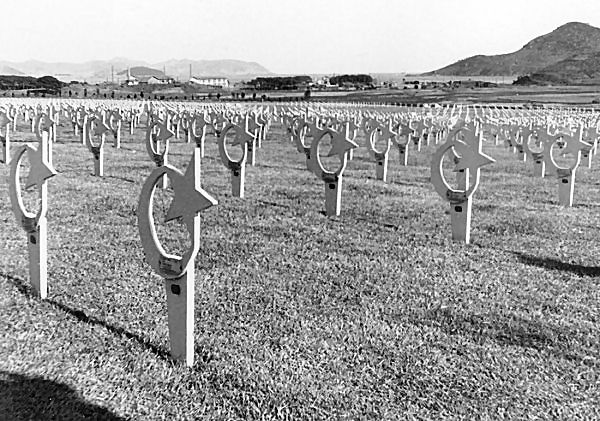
375	314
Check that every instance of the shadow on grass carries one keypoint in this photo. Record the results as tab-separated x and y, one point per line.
116	177
280	167
34	398
125	148
375	221
419	182
506	330
26	290
553	264
119	331
269	203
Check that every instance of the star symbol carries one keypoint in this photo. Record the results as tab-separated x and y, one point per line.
251	125
386	130
468	135
369	125
40	170
4	119
340	144
242	136
420	126
116	116
470	157
45	123
314	130
164	132
100	127
574	143
188	199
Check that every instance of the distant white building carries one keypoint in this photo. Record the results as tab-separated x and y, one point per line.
324	81
160	80
214	81
131	80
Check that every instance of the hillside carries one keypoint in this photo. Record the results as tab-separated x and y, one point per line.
26	82
235	69
9	71
140	71
569	40
100	70
579	69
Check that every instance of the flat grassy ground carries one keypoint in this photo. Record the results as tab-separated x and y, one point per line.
375	314
584	96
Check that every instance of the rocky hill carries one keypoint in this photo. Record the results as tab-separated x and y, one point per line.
568	52
578	69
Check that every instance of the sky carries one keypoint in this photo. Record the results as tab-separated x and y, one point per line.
288	37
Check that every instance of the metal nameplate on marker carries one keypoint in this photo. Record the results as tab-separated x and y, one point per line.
159	160
330	178
537	156
96	151
29	224
456	196
170	266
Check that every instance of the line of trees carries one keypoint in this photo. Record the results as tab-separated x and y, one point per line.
49	83
280	83
351	79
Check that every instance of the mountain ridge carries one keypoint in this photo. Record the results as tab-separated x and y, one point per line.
95	71
565	42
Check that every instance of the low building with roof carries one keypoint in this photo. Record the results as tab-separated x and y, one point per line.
212	81
160	80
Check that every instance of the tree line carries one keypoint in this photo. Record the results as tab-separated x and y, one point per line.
280	83
49	83
351	79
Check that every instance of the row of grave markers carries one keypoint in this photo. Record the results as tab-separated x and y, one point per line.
462	136
393	131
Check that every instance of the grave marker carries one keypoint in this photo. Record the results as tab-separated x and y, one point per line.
96	128
566	175
154	141
237	168
34	224
114	122
386	133
5	122
341	144
471	159
178	272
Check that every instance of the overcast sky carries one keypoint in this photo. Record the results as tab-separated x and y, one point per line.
300	36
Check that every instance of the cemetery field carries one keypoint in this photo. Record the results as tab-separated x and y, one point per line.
375	314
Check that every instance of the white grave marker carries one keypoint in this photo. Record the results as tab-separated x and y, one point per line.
5	122
237	168
471	159
96	128
178	272
341	145
33	223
